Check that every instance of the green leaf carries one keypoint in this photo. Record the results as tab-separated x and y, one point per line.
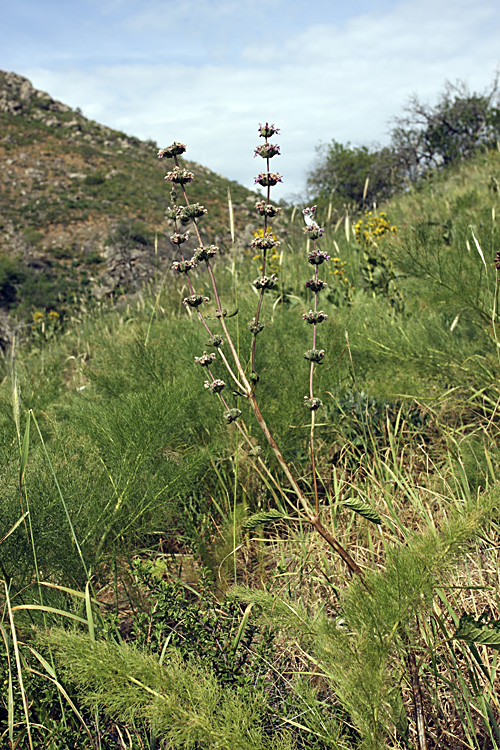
363	509
483	630
24	451
262	518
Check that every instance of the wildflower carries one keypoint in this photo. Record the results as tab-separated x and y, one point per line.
174	150
314	317
180	176
255	327
217	341
312	403
317	257
206	359
267	151
216	386
232	415
195	300
53	315
267	131
268	179
315	355
315	285
205	253
265	241
178	239
37	316
195	211
183	266
172	213
265	282
314	232
265	209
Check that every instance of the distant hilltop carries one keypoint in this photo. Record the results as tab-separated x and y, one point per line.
81	204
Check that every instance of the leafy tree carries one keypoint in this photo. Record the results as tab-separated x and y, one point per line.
354	174
461	122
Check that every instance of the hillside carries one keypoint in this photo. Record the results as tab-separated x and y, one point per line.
363	541
80	203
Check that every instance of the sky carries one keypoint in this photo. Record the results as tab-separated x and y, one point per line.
207	72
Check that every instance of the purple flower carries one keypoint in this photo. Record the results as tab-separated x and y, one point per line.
267	151
268	179
267	131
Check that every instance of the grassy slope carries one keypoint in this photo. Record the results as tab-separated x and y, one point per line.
141	453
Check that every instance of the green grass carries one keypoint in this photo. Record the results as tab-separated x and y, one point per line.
132	460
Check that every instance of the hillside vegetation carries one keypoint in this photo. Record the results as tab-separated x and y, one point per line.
163	587
82	205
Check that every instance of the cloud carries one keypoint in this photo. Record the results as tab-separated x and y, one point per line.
324	80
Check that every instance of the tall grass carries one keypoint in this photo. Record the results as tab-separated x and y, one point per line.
130	458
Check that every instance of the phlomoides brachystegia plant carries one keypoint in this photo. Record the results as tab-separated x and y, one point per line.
245	379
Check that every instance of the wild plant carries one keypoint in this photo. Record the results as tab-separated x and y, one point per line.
245	376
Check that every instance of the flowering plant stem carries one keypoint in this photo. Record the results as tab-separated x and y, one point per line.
247	389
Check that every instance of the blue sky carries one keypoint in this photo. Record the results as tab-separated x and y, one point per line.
206	73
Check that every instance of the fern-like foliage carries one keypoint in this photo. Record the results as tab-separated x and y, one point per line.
184	702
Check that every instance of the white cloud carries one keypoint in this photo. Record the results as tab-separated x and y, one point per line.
342	81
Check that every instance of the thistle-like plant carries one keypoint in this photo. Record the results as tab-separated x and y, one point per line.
245	383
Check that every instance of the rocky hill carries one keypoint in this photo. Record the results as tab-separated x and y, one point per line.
81	204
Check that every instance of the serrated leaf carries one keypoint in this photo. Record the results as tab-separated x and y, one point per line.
262	518
362	509
482	630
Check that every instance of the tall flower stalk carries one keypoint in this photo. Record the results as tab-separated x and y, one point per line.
314	317
267	241
190	213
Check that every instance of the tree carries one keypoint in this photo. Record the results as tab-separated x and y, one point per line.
459	124
354	174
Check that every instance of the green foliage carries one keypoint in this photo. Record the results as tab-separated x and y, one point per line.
353	175
362	650
184	703
458	125
197	623
483	629
12	276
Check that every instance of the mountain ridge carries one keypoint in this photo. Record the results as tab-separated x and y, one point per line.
83	202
